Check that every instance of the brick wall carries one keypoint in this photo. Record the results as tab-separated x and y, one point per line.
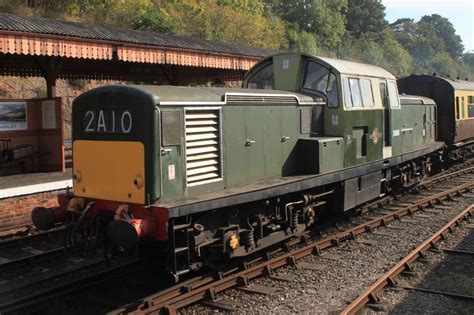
16	211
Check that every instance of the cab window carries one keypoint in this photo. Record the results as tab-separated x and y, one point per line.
263	79
383	93
367	93
392	95
318	78
355	93
358	93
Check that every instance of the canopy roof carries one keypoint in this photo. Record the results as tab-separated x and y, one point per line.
32	46
28	24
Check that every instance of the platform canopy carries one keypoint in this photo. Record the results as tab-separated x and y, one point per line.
57	49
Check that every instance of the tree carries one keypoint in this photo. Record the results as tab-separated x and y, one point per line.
297	12
301	41
325	19
424	42
154	19
444	29
365	18
329	22
229	22
468	59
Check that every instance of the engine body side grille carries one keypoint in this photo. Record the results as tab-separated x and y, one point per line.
203	145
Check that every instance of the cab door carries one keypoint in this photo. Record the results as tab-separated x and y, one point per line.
171	153
289	120
387	121
392	119
254	143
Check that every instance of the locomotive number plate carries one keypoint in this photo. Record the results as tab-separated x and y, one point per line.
116	121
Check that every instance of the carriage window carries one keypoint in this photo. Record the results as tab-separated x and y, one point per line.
470	106
367	93
457	107
355	93
263	79
392	94
462	107
318	78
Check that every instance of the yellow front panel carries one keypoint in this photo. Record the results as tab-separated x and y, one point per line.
109	170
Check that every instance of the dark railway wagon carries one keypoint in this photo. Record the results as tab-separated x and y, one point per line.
207	174
455	105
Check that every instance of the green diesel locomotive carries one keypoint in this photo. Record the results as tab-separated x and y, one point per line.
207	174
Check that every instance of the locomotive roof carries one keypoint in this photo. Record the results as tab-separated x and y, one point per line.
207	96
416	99
343	67
356	68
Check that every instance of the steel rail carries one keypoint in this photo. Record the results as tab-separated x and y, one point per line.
437	179
387	200
53	253
23	303
171	300
8	241
388	278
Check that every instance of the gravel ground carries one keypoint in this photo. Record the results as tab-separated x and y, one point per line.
346	272
444	272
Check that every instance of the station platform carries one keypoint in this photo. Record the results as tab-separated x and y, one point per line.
26	184
19	194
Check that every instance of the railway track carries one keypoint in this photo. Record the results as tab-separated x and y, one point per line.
38	267
207	288
16	251
21	297
405	265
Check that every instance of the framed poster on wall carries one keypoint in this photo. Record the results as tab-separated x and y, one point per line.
13	116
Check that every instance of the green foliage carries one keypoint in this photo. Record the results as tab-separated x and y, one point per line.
325	19
154	19
329	21
445	31
230	21
433	44
385	52
468	60
301	41
365	18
